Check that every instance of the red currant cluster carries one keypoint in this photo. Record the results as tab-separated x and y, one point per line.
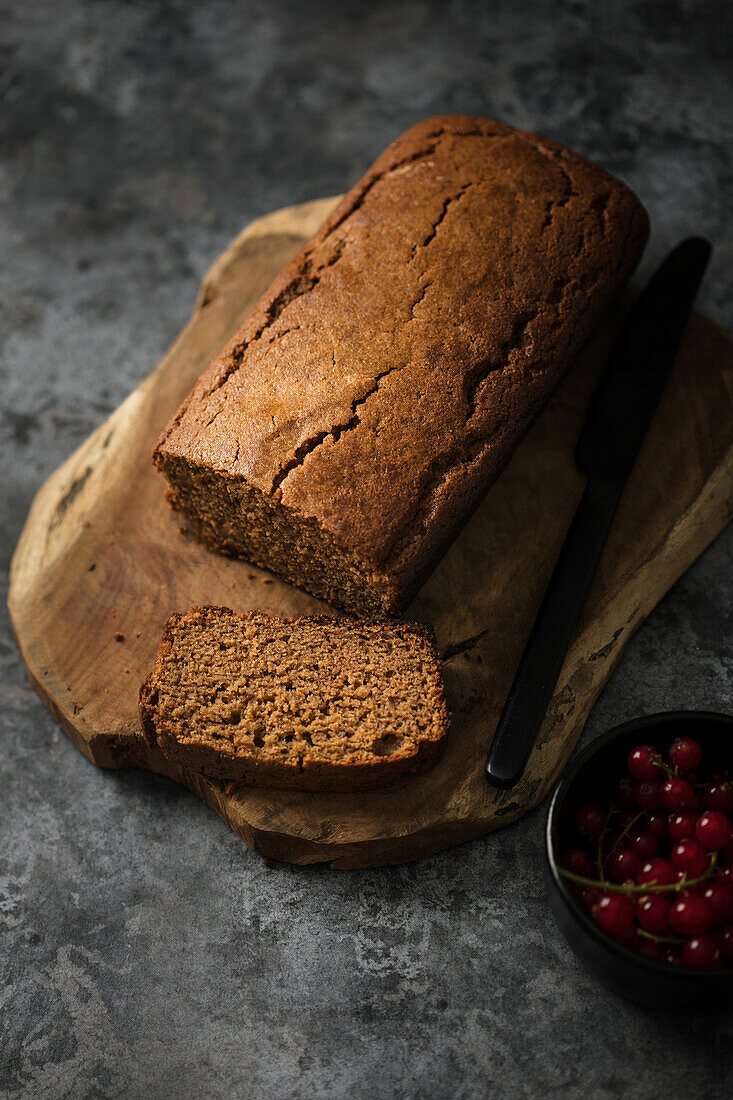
656	868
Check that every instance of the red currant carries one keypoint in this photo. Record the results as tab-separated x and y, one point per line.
625	792
627	818
720	900
702	952
591	820
648	794
690	915
727	850
725	939
623	865
677	793
689	856
685	753
588	896
643	845
725	875
577	862
643	762
719	796
657	823
672	954
682	826
614	913
652	911
650	949
713	830
656	871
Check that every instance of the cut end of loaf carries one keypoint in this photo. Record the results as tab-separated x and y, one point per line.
232	517
309	704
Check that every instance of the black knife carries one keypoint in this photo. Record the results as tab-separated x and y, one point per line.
621	411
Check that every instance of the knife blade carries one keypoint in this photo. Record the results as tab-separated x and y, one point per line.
613	432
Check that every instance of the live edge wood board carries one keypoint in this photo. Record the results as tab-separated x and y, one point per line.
101	564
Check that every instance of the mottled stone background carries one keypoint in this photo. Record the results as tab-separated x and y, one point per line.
146	951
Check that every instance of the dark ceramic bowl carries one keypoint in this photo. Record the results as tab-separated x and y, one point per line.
592	777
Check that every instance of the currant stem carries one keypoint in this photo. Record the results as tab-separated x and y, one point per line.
626	831
672	772
647	888
658	939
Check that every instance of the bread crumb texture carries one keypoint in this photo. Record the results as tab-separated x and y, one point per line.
320	703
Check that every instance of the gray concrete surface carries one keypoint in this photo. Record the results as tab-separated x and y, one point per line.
146	952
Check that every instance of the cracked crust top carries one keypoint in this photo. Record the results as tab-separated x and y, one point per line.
388	372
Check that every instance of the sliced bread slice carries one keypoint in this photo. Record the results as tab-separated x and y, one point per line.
310	704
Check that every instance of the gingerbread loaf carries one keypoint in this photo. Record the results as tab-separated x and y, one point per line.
355	420
310	704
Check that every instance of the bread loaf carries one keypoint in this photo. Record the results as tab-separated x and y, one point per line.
354	421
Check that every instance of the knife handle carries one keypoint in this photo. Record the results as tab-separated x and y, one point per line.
553	630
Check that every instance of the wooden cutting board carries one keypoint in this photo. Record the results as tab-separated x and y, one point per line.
101	564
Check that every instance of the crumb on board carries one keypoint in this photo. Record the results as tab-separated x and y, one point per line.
92	567
267	580
231	788
119	636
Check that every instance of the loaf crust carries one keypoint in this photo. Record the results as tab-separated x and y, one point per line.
341	765
357	417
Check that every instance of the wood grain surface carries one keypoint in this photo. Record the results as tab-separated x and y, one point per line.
101	564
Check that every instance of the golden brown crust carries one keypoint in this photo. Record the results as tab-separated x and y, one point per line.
224	762
388	373
339	778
